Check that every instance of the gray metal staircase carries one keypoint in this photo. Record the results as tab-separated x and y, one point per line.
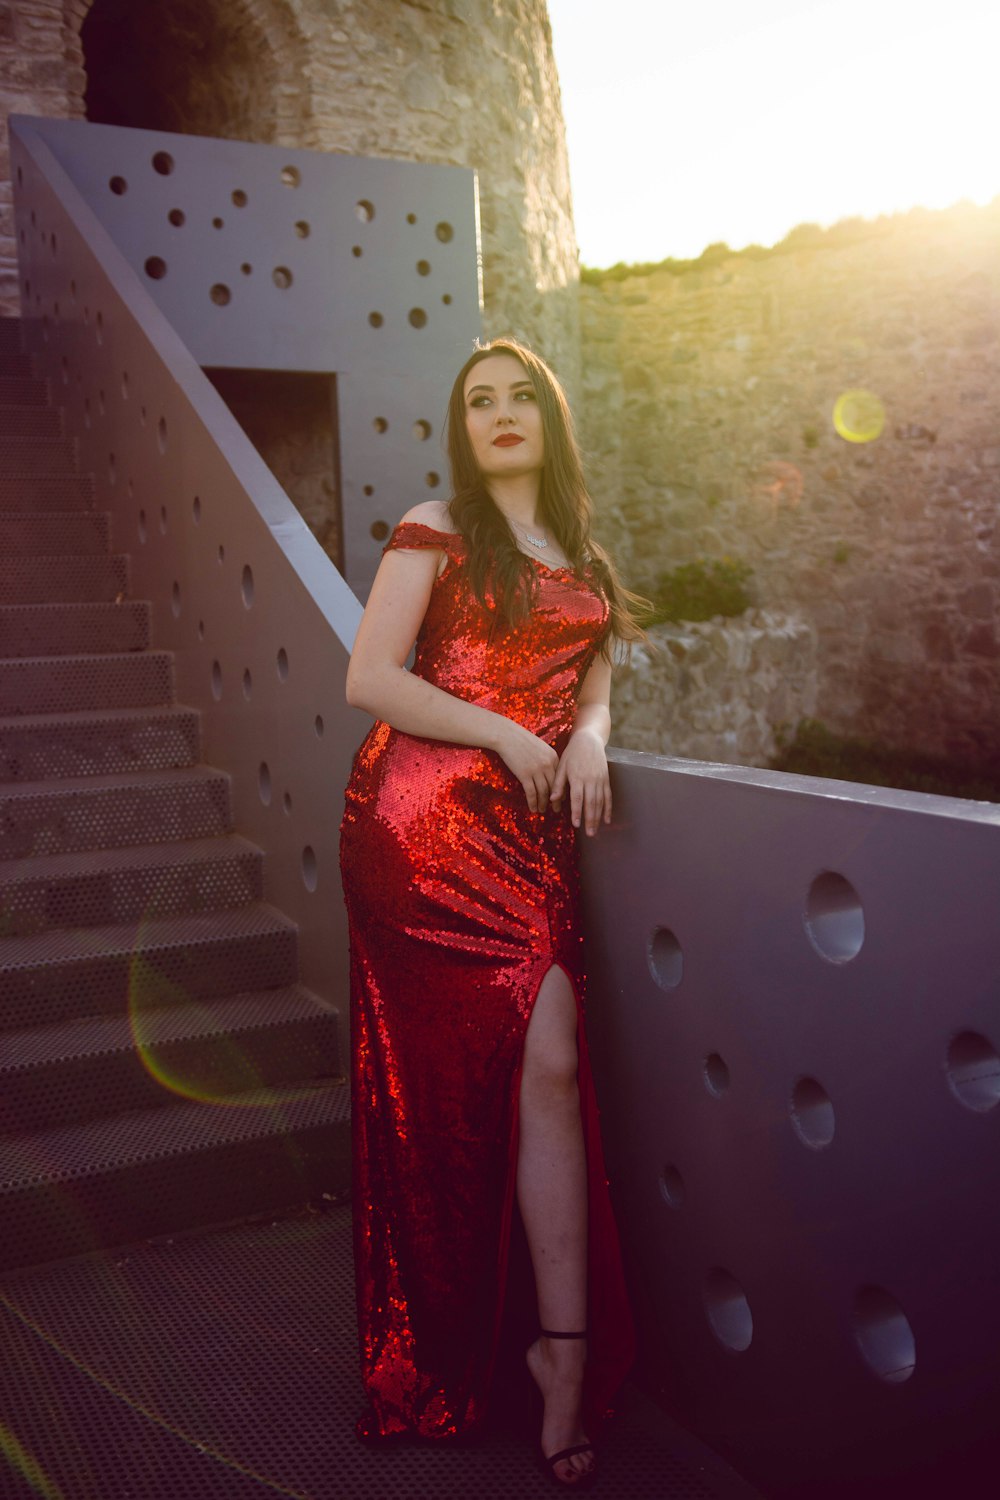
160	1065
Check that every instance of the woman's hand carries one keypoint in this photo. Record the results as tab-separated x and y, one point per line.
583	770
531	760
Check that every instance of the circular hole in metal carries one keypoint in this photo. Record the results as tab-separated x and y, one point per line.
291	176
156	268
221	554
973	1071
364	210
423	268
218	223
812	1114
112	469
411	218
302	229
432	480
264	783
64	363
884	1335
672	1188
247	684
286	804
220	295
163	163
716	1075
176	217
216	681
310	869
53	242
124	385
376	319
246	586
368	489
201	630
319	726
161	434
196	510
100	328
834	918
239	197
421	431
357	252
175	600
142	415
282	277
282	662
163	520
380	424
416	317
246	268
140	525
444	232
86	412
379	530
728	1310
118	186
665	958
446	299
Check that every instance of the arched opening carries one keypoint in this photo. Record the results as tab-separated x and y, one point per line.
197	67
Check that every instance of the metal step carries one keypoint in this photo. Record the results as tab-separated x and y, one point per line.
23	391
72	1190
150	963
60	629
98	742
35	492
87	1069
15	367
102	812
63	580
35	455
71	684
11	335
55	533
103	887
29	421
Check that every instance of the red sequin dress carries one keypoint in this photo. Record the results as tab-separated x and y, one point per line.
459	901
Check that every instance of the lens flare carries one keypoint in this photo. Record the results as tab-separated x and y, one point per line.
31	1471
859	416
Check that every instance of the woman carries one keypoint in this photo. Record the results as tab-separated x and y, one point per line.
471	1081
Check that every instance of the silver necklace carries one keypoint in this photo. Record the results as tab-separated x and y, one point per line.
536	541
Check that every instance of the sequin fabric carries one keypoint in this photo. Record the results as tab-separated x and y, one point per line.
459	901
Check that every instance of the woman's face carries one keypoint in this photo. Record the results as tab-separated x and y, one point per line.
502	418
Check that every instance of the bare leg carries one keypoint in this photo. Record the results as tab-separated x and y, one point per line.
552	1194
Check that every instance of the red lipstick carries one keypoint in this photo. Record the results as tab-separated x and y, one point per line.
507	440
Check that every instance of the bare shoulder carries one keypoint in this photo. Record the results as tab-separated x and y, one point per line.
432	513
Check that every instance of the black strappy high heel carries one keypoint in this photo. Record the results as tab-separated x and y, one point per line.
549	1461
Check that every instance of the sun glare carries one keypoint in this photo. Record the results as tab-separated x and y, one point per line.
734	123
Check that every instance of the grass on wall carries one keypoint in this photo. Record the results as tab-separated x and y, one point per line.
817	751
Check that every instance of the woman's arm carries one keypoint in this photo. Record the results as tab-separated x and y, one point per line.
583	768
378	682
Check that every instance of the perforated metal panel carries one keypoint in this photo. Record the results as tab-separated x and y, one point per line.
62	580
49	629
97	812
266	258
102	887
223	1367
96	743
55	534
53	684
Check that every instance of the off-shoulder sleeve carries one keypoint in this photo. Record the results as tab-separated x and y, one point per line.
416	535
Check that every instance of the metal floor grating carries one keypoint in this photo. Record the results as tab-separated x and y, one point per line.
221	1366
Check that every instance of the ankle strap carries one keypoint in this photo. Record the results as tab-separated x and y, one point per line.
549	1333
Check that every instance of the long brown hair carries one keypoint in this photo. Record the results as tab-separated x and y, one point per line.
497	566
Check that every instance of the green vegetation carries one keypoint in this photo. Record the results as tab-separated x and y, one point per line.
816	751
841	552
803	237
701	590
810	437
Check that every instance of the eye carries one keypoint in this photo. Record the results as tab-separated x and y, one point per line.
479	401
524	396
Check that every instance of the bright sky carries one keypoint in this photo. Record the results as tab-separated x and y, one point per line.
692	121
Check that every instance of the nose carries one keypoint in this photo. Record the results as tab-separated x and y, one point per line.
503	414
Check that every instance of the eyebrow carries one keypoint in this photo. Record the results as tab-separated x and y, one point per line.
517	385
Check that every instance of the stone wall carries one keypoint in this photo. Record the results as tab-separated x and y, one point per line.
708	401
721	690
460	82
